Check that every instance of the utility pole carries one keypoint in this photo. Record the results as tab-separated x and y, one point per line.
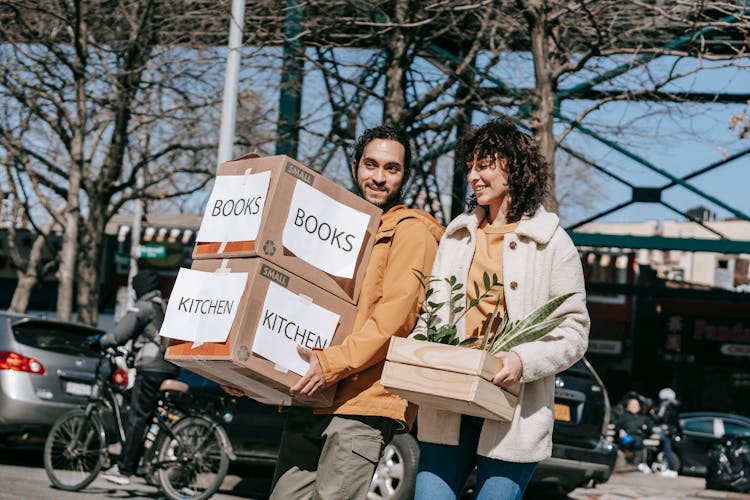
231	80
135	236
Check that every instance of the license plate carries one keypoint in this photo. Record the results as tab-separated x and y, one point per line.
562	412
77	389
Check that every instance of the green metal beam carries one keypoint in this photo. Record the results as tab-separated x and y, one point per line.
659	243
292	76
651	166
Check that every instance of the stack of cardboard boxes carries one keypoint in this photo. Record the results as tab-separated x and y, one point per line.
279	261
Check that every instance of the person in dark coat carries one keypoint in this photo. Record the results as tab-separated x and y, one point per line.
631	427
141	324
666	415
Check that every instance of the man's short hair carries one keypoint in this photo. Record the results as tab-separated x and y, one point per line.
388	133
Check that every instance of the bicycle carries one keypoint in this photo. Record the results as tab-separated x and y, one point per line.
186	458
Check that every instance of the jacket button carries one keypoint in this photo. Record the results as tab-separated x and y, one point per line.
513	245
513	285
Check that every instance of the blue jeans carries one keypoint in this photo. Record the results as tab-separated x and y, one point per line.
666	446
444	469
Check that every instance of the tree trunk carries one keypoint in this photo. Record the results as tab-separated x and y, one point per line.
89	262
543	100
26	282
394	100
28	279
66	271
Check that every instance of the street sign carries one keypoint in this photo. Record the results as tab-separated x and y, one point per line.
122	259
153	251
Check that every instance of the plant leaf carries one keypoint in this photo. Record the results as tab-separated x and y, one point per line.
419	336
488	326
543	311
529	334
486	279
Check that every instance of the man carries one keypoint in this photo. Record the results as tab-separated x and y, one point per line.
331	453
141	324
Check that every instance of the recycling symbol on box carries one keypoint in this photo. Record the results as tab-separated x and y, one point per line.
269	248
244	353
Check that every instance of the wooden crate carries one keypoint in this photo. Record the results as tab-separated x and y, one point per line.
447	377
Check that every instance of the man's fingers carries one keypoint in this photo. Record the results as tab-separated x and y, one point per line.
305	353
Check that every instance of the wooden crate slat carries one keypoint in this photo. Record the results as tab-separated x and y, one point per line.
453	391
446	357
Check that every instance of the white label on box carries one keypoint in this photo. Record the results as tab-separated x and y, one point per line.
288	320
324	232
203	305
235	208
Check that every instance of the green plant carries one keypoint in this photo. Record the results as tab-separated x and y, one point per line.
532	327
507	335
447	333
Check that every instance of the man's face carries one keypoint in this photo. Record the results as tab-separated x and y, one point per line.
380	172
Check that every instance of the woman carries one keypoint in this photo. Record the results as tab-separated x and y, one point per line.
510	234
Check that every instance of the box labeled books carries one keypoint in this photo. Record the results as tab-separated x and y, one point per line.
287	213
239	322
447	377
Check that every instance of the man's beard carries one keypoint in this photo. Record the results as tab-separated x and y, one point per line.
392	199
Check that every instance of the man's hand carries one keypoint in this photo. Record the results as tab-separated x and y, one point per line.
233	391
510	371
313	381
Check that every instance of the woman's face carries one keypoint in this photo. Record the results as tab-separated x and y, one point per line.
488	177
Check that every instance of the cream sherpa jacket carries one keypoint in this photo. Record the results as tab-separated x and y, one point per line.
539	262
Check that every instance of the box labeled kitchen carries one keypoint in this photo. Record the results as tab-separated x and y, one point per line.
239	321
279	209
447	377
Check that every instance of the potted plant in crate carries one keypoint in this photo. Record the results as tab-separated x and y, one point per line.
436	368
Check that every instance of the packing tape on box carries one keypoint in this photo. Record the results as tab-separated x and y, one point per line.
247	173
224	267
223	245
280	368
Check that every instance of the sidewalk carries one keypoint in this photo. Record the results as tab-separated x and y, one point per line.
635	485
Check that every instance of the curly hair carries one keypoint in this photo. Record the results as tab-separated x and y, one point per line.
527	169
388	133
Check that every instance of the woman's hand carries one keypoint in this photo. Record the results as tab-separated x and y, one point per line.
510	371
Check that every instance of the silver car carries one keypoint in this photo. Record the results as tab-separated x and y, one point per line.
45	370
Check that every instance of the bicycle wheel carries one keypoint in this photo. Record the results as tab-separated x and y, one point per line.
193	464
73	450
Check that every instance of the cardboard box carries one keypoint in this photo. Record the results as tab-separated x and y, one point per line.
447	377
303	222
235	361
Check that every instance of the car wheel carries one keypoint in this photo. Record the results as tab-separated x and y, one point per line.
397	470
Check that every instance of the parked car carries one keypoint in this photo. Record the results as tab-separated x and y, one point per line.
701	431
581	453
44	372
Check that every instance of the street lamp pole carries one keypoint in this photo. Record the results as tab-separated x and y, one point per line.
135	236
231	79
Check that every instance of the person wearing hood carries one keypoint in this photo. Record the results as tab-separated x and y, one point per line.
666	415
332	453
141	324
508	233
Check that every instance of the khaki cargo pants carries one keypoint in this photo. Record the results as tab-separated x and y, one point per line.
329	457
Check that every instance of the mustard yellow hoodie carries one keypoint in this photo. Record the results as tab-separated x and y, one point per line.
388	306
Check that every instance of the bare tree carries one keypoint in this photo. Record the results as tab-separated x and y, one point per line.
99	94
